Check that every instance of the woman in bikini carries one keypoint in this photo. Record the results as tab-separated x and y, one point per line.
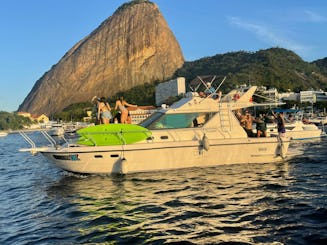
121	105
104	114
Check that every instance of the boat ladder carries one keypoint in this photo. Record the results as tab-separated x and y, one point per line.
225	117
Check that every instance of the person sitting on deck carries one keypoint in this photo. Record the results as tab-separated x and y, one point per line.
218	96
210	91
290	118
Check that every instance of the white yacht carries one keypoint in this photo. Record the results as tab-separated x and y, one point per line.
319	120
193	132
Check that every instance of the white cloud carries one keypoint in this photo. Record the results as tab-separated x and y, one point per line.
266	34
313	17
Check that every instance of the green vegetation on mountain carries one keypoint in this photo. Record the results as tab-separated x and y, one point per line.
274	67
322	64
12	121
74	112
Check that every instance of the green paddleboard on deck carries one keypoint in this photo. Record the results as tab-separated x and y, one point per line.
112	134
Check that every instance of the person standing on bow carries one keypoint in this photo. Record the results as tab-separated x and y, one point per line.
281	125
121	105
95	100
104	114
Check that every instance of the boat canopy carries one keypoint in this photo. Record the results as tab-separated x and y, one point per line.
278	110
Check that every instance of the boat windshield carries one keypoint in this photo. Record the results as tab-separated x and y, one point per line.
160	120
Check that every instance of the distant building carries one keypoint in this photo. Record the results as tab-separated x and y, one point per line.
307	96
310	96
168	89
24	114
289	96
88	118
39	118
321	95
138	114
271	93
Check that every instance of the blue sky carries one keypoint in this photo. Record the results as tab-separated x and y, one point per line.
35	34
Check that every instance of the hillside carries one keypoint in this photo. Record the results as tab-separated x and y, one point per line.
132	47
322	64
274	67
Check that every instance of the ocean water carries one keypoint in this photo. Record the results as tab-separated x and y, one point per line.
280	203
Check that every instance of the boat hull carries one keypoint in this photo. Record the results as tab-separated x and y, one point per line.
304	135
147	157
300	134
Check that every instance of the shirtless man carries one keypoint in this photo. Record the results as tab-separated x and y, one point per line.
246	122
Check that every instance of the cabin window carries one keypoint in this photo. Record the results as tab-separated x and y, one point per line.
180	120
73	157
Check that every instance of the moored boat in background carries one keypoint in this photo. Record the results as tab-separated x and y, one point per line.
319	120
3	134
296	127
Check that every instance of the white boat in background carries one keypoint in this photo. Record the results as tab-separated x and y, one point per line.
296	129
3	134
319	121
193	132
56	130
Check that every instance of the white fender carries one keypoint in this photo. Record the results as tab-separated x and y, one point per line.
205	142
123	166
282	147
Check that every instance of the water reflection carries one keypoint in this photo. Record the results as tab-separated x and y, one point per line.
249	203
196	205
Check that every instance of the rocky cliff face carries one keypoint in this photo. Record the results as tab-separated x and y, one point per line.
132	47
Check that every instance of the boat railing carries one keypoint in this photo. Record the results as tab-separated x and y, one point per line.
45	134
27	138
49	138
